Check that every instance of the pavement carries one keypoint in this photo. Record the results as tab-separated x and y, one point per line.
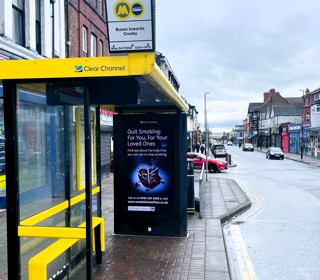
201	255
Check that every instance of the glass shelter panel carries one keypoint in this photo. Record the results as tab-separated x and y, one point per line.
52	172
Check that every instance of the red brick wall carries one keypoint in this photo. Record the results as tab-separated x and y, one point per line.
83	13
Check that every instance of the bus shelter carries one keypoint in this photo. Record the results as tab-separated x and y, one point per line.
51	111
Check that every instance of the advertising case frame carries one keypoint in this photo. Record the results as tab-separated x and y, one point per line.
156	208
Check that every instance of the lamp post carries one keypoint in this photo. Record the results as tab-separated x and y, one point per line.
301	130
206	131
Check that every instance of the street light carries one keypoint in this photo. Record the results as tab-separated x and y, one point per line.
301	130
206	131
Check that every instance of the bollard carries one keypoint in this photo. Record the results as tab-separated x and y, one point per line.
229	159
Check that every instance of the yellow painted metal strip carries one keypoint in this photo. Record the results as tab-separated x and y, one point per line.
52	232
95	190
77	199
65	68
37	265
141	63
45	214
82	196
102	239
2	181
55	209
160	81
80	186
109	66
96	221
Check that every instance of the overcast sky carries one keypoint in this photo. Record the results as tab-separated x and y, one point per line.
237	50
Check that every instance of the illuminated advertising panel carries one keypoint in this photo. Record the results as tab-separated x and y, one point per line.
149	172
149	156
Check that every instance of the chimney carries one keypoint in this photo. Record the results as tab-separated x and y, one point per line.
271	93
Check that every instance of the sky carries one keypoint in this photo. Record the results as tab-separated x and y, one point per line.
237	50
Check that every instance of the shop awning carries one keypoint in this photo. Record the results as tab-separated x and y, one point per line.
153	84
252	135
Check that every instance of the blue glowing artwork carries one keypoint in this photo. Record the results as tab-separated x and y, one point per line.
149	178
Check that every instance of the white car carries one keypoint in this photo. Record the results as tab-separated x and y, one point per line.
247	147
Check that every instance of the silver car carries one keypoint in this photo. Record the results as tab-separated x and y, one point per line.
218	150
247	147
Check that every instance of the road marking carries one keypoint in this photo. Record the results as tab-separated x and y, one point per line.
270	221
245	265
258	202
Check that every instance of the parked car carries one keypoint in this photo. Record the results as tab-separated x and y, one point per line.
274	152
247	147
218	150
229	143
214	165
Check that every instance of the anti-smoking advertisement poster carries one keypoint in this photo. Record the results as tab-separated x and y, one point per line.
149	163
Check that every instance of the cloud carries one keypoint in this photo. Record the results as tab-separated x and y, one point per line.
237	50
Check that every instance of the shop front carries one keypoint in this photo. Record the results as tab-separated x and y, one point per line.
294	138
267	137
275	136
315	141
285	139
306	139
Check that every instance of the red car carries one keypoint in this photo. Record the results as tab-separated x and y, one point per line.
214	165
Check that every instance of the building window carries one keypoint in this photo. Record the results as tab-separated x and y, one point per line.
100	7
93	45
307	116
84	42
38	26
18	22
317	108
100	48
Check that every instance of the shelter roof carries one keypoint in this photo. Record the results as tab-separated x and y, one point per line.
139	66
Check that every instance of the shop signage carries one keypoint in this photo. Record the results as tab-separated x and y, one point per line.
106	117
130	25
294	127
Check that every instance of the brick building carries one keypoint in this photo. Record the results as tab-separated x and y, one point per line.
86	28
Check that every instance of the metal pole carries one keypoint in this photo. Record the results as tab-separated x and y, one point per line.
88	176
206	131
301	129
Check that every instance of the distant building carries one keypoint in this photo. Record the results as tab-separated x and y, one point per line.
265	118
236	135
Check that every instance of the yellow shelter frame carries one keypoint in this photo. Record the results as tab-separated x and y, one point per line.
131	65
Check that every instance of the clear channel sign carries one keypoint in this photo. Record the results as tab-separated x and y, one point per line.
130	25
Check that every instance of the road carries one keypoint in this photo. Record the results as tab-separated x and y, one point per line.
279	236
